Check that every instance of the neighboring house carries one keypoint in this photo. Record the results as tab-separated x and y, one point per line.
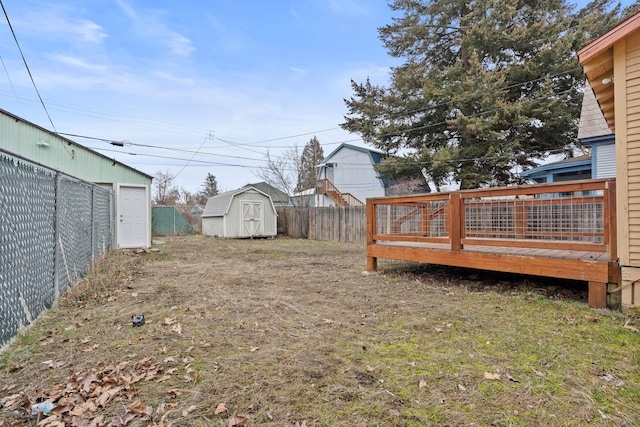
593	132
242	213
278	197
563	170
131	188
612	66
304	199
347	177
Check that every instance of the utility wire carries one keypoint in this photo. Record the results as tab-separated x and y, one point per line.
27	66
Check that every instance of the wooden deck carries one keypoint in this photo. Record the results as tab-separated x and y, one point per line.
564	230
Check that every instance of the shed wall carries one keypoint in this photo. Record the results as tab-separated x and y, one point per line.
213	226
234	216
22	138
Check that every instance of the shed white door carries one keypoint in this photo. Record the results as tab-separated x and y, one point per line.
133	217
252	219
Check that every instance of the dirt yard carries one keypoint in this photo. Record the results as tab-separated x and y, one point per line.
287	332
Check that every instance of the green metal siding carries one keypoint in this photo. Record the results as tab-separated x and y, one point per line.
22	138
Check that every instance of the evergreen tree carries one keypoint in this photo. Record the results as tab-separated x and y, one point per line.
487	87
209	188
312	155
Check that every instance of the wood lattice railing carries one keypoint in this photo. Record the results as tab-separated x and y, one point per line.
577	215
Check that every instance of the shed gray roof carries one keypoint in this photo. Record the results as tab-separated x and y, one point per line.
592	122
219	205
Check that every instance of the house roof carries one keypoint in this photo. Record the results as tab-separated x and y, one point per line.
592	121
570	163
71	142
219	205
597	61
277	195
375	155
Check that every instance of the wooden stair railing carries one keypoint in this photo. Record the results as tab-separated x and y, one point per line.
326	187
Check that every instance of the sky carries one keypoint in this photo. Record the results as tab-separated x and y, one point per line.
192	87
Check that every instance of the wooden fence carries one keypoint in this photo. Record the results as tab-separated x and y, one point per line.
339	224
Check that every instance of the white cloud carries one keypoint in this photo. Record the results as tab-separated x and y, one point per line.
89	31
179	44
349	7
54	22
76	62
127	9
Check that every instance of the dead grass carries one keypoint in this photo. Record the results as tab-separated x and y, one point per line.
290	332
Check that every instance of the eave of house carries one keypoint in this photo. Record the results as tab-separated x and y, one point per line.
597	61
574	164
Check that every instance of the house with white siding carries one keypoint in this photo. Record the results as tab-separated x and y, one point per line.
347	177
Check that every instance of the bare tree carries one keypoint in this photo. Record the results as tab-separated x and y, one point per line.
165	192
282	172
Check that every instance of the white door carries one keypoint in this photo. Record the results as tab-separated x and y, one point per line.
252	219
133	217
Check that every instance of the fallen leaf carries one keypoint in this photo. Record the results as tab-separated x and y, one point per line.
177	328
173	393
461	387
169	320
490	376
370	368
254	349
631	328
140	408
237	421
328	321
422	384
105	397
221	408
394	412
190	409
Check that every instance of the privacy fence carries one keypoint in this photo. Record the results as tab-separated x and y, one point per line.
52	229
336	223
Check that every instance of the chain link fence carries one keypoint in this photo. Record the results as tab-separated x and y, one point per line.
168	221
52	229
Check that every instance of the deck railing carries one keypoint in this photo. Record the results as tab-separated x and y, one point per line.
576	215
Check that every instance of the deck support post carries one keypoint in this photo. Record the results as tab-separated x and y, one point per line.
456	219
597	295
372	262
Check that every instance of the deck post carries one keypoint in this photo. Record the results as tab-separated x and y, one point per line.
456	219
610	219
597	295
372	262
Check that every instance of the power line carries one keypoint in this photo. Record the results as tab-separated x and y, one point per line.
27	66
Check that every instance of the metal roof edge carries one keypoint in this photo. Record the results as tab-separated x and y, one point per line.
67	140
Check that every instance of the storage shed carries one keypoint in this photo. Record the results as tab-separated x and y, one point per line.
131	187
243	213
